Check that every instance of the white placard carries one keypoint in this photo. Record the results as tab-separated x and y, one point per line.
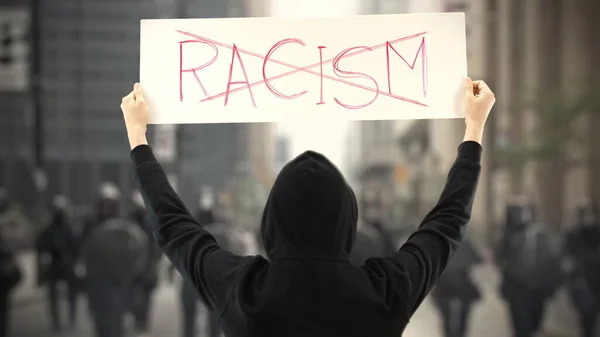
374	67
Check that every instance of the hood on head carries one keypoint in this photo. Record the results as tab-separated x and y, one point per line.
311	211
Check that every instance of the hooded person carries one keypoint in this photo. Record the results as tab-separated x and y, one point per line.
307	286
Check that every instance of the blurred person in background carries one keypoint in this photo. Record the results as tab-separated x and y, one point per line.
57	251
366	245
530	265
308	286
113	254
582	250
107	207
375	219
518	213
10	271
145	285
15	223
216	218
456	292
205	215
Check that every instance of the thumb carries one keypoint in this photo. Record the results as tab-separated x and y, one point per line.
468	85
138	92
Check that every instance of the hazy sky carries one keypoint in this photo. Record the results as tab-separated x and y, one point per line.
328	138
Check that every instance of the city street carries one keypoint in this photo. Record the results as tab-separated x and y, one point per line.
31	319
489	317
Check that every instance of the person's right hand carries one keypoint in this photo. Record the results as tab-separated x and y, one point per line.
478	102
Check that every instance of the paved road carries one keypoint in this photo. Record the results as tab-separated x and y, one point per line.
489	318
31	320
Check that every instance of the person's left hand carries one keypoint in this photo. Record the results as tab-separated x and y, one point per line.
135	114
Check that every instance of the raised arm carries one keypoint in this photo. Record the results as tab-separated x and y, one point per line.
414	269
191	249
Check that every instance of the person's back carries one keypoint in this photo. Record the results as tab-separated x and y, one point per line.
308	287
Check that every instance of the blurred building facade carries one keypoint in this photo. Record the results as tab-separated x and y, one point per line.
89	57
544	52
16	120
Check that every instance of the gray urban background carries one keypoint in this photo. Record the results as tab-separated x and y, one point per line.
65	64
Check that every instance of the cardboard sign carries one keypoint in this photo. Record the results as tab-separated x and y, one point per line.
375	67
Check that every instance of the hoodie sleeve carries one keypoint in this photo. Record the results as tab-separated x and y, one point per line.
413	270
191	249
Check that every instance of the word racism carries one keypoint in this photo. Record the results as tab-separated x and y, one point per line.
341	74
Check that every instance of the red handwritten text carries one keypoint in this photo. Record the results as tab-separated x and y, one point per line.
341	75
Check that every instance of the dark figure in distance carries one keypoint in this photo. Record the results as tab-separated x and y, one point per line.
374	218
367	244
10	271
113	254
530	265
57	252
582	248
145	284
189	297
456	291
225	237
518	212
308	287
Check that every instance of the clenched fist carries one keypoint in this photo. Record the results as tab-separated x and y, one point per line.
135	114
477	104
479	100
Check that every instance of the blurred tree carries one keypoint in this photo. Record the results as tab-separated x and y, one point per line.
555	142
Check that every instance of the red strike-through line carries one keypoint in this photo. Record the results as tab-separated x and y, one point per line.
306	69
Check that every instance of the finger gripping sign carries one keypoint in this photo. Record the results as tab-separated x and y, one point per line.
375	67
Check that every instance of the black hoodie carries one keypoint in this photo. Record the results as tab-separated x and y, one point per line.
308	286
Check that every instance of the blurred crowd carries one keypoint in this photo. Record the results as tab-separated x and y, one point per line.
109	256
